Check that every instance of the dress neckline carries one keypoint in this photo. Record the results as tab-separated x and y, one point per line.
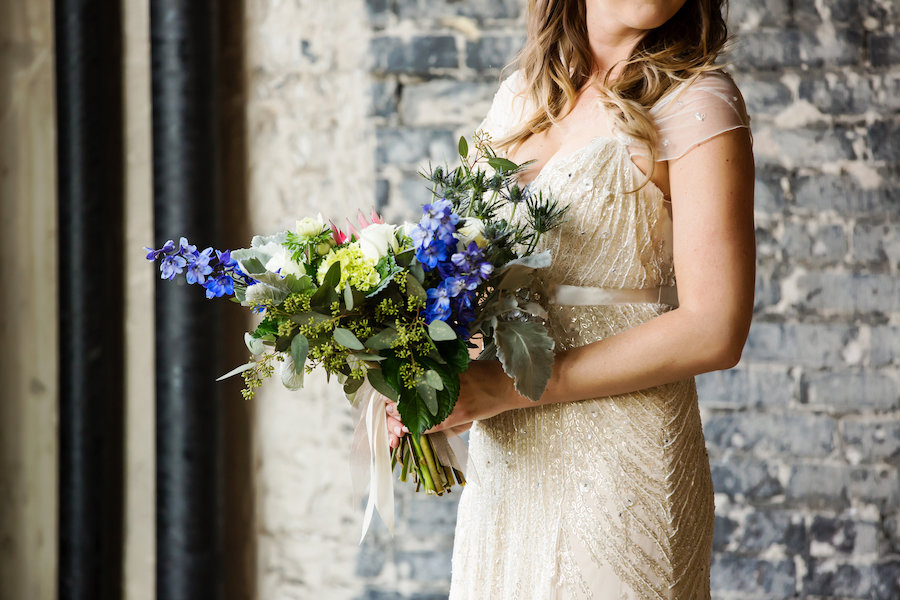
593	144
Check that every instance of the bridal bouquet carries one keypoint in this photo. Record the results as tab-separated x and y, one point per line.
395	307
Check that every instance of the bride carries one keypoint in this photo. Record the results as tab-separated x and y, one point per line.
602	489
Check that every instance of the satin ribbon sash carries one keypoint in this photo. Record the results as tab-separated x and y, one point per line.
370	456
578	295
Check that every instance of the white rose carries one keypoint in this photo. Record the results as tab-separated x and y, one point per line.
309	227
281	259
377	239
471	230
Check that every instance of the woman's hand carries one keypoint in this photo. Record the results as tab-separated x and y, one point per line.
484	391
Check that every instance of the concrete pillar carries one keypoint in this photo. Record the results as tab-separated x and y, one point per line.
28	332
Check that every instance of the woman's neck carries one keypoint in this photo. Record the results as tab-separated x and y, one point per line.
611	41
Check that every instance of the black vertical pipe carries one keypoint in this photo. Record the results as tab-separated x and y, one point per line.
90	188
187	201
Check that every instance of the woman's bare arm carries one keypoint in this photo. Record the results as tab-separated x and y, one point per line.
715	263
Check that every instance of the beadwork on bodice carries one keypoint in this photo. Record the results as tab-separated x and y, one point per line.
612	236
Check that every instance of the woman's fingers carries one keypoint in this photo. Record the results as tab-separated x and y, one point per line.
395	426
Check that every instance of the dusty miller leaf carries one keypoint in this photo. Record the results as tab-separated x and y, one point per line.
526	352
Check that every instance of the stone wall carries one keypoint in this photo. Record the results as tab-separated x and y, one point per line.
310	149
804	435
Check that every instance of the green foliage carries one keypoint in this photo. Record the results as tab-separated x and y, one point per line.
440	331
526	352
299	350
345	338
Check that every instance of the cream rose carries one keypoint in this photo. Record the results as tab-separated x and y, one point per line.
377	240
309	227
471	230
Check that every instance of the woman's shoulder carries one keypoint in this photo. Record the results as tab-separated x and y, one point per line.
508	107
695	110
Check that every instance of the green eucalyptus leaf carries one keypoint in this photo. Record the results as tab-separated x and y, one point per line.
463	147
299	350
526	352
429	396
282	343
376	378
433	379
332	275
368	357
309	318
383	339
440	331
351	385
325	296
414	288
414	412
405	258
417	271
348	297
345	338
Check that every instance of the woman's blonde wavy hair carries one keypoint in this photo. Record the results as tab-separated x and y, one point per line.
556	62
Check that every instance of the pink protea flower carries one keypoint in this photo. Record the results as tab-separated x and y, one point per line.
339	236
352	229
364	222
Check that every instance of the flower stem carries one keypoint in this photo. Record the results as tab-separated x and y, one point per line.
404	471
424	465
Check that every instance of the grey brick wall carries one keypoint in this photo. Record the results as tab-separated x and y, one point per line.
804	434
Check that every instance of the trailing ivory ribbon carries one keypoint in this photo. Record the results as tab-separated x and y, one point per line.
370	456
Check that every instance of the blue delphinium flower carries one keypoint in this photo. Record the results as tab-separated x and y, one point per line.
198	266
471	264
225	259
455	285
438	304
219	286
437	226
216	274
170	266
432	254
438	213
185	248
155	254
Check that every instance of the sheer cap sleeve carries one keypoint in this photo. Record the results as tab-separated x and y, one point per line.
695	112
507	109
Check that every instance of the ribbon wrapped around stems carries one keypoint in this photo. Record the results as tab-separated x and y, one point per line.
371	465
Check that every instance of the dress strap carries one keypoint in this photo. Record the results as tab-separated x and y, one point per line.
578	295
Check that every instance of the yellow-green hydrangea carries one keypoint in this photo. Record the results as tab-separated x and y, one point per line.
356	270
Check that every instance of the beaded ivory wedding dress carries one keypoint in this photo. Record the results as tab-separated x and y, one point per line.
609	498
